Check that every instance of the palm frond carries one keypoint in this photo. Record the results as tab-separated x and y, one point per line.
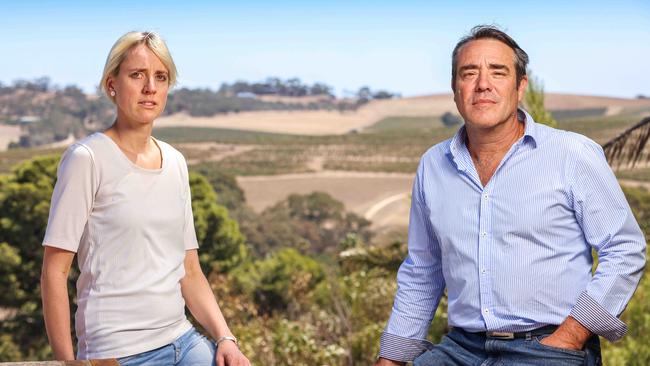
627	148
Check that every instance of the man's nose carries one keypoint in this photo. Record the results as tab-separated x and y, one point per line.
483	82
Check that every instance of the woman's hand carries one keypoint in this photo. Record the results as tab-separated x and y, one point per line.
228	354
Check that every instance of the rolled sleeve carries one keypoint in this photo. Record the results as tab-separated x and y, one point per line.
396	348
597	319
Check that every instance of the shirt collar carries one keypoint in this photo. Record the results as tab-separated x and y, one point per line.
531	134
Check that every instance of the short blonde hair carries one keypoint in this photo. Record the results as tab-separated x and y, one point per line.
126	43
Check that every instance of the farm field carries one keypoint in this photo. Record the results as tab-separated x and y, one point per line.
382	198
334	123
365	159
8	134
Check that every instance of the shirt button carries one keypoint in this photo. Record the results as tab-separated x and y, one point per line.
484	234
485	196
486	311
483	270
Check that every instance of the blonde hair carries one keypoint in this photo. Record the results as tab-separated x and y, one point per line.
126	43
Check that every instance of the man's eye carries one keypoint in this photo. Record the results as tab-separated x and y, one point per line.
136	75
161	77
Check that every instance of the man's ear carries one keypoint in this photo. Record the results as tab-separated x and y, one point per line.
521	89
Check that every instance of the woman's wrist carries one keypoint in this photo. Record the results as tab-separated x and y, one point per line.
226	339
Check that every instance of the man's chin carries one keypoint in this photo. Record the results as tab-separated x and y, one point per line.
481	119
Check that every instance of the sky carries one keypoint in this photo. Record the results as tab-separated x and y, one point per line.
580	47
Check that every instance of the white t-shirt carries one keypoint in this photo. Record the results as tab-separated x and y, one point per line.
130	228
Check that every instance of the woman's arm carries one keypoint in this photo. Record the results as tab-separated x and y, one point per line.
203	306
56	306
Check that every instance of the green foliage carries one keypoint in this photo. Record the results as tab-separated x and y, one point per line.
301	347
314	223
24	208
58	112
292	87
535	102
221	244
318	293
9	351
280	282
229	194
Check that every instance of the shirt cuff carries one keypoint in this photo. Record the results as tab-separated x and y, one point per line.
597	319
397	348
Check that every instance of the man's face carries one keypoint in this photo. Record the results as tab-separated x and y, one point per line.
485	90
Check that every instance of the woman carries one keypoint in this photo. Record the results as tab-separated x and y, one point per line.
122	202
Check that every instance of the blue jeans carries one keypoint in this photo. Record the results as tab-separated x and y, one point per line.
463	348
190	349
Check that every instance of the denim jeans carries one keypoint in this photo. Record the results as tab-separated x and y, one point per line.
463	348
190	349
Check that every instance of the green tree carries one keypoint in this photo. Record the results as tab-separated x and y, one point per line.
221	244
534	101
24	208
229	193
314	223
281	282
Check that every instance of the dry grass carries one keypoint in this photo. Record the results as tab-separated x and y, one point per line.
570	101
8	134
290	122
334	122
359	191
294	100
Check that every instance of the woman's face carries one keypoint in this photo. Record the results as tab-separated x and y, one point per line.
140	87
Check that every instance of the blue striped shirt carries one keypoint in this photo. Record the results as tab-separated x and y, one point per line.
515	255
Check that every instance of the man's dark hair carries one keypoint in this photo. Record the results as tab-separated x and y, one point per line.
491	32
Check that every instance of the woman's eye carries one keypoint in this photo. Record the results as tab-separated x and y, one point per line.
136	75
161	77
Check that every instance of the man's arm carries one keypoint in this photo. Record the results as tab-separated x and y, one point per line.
610	228
420	285
56	308
200	300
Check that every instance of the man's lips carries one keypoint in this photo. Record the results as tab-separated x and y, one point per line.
484	101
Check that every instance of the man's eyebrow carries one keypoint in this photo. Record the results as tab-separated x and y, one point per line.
468	67
499	67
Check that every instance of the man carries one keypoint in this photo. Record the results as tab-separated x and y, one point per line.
504	216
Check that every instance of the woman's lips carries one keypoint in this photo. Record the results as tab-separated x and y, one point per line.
148	104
